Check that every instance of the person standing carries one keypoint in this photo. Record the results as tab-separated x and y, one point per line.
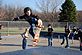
80	36
74	32
67	34
50	35
0	32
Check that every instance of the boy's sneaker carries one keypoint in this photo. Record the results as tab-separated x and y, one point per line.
67	47
62	43
34	44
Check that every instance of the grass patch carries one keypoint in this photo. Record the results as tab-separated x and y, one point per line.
16	30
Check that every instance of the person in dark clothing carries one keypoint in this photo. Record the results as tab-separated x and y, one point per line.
50	34
80	36
30	18
74	32
74	29
67	33
0	32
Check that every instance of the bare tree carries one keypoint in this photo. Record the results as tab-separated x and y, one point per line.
8	12
49	8
11	12
0	9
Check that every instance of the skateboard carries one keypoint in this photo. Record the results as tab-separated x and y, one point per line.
24	41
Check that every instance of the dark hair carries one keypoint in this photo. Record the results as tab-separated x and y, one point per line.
27	9
49	25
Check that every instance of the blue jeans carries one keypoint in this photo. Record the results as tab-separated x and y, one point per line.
73	35
65	38
31	32
49	40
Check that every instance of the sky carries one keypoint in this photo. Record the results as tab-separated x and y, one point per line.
32	4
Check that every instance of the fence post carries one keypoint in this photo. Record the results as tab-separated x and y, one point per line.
0	36
58	38
8	28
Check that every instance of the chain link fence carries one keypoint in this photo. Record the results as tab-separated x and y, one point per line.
17	27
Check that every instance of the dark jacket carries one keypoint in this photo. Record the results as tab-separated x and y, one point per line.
50	31
80	34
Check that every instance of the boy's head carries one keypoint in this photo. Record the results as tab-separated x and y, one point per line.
49	26
27	11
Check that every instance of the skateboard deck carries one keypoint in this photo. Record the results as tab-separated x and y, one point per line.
24	43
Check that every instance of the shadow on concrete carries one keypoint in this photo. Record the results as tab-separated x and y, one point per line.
44	51
9	45
38	46
75	47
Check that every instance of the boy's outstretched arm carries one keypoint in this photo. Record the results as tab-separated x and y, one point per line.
15	19
18	18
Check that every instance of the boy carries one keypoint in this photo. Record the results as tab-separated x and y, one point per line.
50	33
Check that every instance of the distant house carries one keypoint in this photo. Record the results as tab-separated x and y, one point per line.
79	16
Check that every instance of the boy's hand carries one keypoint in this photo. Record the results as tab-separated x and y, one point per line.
15	19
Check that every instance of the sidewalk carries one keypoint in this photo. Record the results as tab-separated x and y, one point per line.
12	46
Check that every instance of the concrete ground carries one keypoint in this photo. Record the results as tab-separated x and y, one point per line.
12	46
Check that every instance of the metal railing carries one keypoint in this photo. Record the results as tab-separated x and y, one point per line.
17	27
